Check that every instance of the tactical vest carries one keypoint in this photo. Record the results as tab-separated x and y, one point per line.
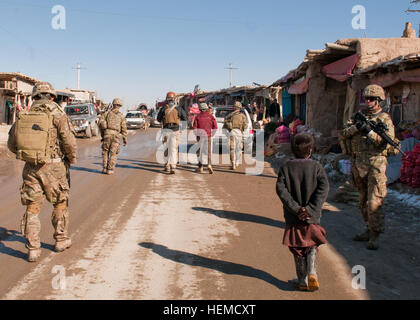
113	121
171	116
361	144
235	120
36	136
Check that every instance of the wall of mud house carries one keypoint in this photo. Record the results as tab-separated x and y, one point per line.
2	108
410	107
373	51
325	100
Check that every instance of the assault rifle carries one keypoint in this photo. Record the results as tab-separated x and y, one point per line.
380	129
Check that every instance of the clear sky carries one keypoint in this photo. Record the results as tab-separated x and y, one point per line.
138	50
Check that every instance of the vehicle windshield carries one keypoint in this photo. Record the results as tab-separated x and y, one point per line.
133	115
77	110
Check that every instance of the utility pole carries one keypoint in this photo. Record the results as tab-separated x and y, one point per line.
78	74
230	74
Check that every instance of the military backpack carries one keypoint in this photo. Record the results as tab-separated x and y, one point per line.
34	136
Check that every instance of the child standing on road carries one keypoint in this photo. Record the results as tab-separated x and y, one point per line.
303	187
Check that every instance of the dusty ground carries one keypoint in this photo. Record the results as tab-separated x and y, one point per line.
141	234
392	272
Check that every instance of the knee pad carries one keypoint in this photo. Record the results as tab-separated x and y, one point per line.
60	210
33	208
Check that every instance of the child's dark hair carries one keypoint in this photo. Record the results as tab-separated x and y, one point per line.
302	145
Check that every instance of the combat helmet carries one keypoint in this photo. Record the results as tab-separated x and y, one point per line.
237	105
43	88
117	102
374	91
171	96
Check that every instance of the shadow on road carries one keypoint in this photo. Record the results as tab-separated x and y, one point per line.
143	164
218	265
239	216
14	236
86	170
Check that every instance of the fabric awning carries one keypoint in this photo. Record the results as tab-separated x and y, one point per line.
390	79
342	69
263	93
287	77
299	88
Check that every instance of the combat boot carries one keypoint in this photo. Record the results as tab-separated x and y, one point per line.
34	255
373	241
31	229
363	236
313	284
60	221
301	271
60	246
211	171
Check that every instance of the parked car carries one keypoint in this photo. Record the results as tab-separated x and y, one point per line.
84	119
153	121
135	119
220	113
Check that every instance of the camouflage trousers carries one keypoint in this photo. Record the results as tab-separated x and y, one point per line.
110	150
39	182
236	146
371	184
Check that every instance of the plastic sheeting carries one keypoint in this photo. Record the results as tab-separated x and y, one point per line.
342	69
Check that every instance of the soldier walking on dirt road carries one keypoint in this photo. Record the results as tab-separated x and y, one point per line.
45	139
171	116
113	127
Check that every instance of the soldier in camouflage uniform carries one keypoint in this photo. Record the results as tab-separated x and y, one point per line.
47	180
369	157
114	127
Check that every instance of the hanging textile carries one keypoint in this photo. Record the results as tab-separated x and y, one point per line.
342	69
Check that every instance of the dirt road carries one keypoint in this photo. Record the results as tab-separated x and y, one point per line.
141	234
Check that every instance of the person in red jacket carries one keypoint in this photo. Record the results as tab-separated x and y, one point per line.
205	127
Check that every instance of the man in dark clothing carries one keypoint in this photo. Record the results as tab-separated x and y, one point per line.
303	187
205	127
171	116
274	111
